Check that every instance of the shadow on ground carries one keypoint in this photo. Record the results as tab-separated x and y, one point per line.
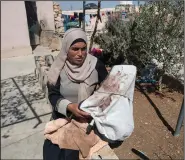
17	96
156	109
140	154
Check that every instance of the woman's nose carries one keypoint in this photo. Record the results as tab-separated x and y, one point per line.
80	52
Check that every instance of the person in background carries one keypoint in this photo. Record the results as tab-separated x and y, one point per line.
73	77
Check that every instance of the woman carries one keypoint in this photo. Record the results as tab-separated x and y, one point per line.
72	78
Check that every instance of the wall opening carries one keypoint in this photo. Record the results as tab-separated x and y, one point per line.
33	24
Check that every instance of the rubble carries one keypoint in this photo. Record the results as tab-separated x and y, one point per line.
43	63
56	43
58	20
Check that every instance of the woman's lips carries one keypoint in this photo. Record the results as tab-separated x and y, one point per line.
80	59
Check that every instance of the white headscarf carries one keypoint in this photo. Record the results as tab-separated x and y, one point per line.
86	74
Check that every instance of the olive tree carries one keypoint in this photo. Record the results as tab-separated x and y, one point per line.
156	35
160	33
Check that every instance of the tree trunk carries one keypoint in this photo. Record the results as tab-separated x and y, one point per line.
161	74
95	28
160	83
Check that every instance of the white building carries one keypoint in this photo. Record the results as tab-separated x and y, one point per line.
89	11
127	2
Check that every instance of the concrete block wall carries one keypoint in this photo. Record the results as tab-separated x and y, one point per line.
14	30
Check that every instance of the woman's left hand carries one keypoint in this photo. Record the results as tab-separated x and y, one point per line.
73	108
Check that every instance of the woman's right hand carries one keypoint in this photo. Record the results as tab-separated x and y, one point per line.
73	107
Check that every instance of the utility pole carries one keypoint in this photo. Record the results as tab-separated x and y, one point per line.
180	120
138	2
84	15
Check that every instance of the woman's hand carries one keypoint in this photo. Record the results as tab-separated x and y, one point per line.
81	115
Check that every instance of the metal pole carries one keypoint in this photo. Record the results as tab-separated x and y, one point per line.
84	15
180	120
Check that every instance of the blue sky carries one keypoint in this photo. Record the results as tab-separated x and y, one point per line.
75	5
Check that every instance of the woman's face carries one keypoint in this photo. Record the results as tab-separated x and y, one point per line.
77	53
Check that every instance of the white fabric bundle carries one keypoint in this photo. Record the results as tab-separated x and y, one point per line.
111	106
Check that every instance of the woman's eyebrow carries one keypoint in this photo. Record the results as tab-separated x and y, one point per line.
79	47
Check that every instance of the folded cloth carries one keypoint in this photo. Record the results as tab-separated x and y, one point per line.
72	135
55	125
111	106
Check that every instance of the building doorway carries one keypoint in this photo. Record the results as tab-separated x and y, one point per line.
33	24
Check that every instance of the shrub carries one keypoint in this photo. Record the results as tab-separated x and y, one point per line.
155	36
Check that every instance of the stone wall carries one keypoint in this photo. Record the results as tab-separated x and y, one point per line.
59	27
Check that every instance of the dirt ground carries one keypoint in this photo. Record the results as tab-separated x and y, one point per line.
155	119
